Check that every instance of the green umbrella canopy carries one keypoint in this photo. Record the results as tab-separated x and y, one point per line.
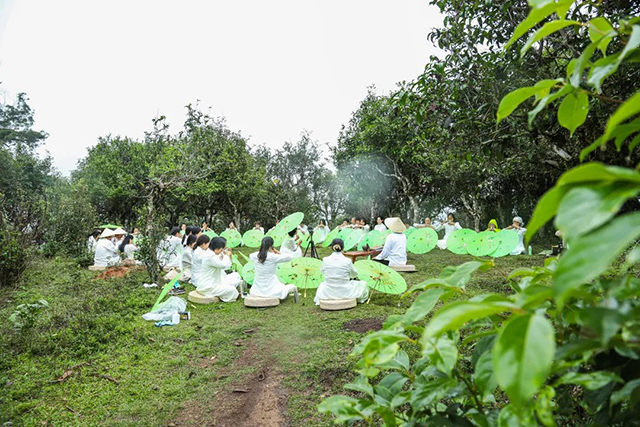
233	237
305	273
332	235
110	226
317	238
249	272
290	222
351	239
277	236
376	238
345	232
306	239
508	241
236	265
484	243
253	238
410	230
380	277
458	241
210	233
283	272
366	239
422	240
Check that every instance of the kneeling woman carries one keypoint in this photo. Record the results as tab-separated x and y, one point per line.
338	273
212	281
291	245
266	283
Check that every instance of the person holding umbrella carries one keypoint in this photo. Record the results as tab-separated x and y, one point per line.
449	227
394	251
517	225
291	245
339	272
265	282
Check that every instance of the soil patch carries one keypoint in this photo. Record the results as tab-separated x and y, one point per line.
363	326
255	400
113	273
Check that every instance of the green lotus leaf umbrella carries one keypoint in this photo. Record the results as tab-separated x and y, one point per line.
253	238
332	235
458	241
508	241
110	226
305	273
366	240
283	272
422	240
345	232
290	222
409	231
277	236
234	238
249	272
318	238
351	239
484	243
236	265
306	240
210	233
377	238
380	277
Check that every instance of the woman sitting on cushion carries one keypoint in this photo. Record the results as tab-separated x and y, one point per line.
338	271
265	282
211	277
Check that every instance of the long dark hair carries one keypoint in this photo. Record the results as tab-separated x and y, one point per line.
187	233
293	232
203	239
267	243
337	245
128	238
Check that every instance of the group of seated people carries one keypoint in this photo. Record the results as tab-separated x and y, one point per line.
451	225
112	248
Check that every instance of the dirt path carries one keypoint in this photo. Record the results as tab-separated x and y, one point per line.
257	399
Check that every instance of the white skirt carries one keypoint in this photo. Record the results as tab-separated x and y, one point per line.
357	289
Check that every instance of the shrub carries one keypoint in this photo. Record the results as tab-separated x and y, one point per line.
13	258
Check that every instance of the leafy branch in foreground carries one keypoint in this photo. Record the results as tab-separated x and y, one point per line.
563	348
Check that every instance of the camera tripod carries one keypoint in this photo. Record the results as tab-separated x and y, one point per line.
312	246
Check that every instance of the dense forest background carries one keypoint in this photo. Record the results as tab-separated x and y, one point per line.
430	147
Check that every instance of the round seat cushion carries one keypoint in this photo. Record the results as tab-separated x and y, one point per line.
196	297
338	304
97	267
259	302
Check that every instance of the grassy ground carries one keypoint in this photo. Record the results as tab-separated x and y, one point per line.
121	370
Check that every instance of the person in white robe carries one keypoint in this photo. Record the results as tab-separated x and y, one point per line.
213	281
106	254
92	241
517	225
259	227
320	232
291	245
380	225
449	227
303	228
426	224
199	253
173	248
186	262
266	282
339	272
345	224
394	251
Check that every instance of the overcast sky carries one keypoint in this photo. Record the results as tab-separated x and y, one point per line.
272	68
